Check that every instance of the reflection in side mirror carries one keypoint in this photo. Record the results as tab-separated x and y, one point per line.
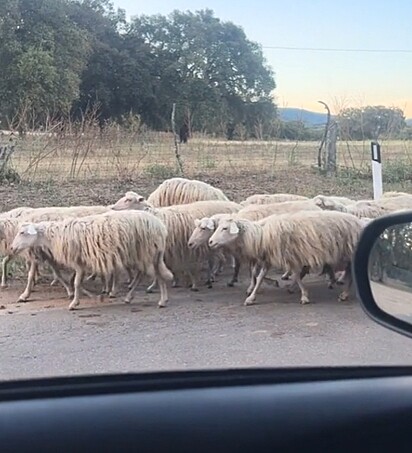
390	271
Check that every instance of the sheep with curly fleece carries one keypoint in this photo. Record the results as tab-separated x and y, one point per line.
9	224
271	198
181	191
103	244
332	203
298	242
179	220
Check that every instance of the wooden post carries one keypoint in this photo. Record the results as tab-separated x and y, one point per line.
331	139
322	143
177	153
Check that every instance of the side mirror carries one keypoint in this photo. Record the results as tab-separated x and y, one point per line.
383	271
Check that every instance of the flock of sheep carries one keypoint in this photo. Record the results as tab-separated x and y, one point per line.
187	226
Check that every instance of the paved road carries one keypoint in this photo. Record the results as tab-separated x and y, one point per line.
209	329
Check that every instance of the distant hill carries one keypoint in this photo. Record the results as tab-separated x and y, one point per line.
306	116
409	121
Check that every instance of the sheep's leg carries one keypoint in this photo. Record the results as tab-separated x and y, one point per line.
294	284
164	298
133	286
78	279
341	279
152	286
4	263
235	276
304	299
253	274
130	275
30	282
193	282
210	272
344	295
91	277
251	299
58	276
132	281
327	269
113	286
286	275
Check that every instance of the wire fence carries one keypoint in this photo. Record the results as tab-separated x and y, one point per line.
120	154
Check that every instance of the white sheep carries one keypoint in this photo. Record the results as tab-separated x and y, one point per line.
201	234
271	198
181	191
103	244
9	227
205	227
395	194
179	220
260	211
298	242
332	203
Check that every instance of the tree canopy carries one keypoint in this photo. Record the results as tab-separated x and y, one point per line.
371	122
63	56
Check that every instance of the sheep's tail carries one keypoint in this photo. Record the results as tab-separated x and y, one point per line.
161	267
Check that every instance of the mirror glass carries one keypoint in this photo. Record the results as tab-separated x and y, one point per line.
390	271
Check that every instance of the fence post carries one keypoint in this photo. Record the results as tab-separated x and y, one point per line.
330	158
376	170
177	153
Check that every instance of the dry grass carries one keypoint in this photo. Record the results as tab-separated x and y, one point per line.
120	155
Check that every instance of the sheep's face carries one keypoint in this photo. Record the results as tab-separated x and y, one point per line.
131	200
29	235
202	233
226	232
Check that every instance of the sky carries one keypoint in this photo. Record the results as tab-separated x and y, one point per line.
303	77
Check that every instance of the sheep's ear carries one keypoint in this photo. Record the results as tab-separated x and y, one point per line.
210	224
197	222
233	229
31	230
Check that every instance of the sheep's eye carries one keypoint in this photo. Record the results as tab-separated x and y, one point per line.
224	229
22	232
203	228
141	199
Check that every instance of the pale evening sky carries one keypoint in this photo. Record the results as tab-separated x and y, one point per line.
303	77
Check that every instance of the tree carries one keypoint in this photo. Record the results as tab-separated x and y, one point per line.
44	53
207	66
370	122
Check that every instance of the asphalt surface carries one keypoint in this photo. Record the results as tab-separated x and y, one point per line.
208	329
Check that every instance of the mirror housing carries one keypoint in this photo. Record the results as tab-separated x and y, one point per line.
361	275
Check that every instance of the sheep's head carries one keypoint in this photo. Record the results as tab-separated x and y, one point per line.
29	235
226	232
131	200
204	229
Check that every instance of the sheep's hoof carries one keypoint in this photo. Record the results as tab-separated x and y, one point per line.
330	285
162	304
22	299
340	283
284	277
343	296
149	290
4	286
250	301
73	305
304	300
112	295
231	284
210	286
195	290
127	301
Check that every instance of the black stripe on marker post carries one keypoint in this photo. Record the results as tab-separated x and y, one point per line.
376	152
